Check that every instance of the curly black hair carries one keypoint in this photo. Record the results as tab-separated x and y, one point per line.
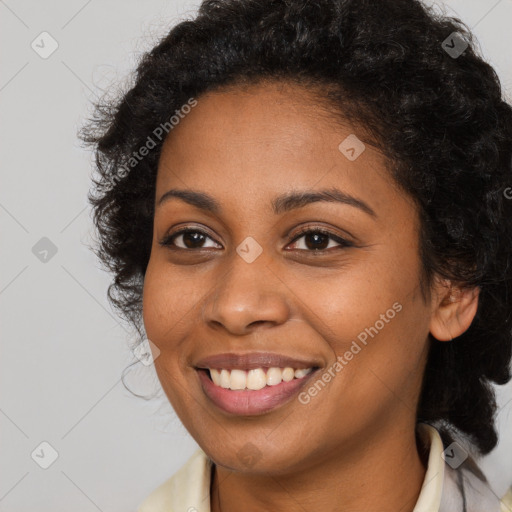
439	117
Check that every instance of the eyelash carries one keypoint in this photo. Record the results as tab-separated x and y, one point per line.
168	240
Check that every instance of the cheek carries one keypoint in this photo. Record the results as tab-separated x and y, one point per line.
168	304
166	312
155	304
381	350
374	318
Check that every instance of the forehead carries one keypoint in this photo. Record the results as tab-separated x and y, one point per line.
250	141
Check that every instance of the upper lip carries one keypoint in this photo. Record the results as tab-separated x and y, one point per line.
251	360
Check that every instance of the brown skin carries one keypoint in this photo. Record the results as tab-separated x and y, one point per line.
353	445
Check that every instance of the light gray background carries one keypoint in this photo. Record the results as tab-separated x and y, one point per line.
63	349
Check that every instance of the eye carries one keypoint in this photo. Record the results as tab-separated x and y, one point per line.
187	239
318	239
315	240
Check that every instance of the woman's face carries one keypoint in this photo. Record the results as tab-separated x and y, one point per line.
354	308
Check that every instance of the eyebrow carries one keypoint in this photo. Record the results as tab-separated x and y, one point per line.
280	204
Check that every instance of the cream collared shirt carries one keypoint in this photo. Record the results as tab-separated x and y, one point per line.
444	489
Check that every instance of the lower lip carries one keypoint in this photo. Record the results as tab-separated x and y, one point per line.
252	402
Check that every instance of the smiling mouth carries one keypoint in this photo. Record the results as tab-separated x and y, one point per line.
235	396
255	378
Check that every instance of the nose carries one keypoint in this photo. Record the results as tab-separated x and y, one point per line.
246	296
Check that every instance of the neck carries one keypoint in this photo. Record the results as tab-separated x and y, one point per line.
388	472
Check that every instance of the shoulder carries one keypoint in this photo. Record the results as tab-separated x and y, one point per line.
506	501
454	481
187	490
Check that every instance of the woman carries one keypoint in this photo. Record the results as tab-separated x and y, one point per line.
306	207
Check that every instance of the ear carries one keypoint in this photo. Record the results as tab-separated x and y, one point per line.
453	309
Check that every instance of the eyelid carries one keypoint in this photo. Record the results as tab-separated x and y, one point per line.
166	240
315	227
342	241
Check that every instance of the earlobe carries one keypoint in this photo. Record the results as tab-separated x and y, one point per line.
454	309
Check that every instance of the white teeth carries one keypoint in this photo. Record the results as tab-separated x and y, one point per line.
288	374
238	379
215	375
256	378
224	378
274	376
302	372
